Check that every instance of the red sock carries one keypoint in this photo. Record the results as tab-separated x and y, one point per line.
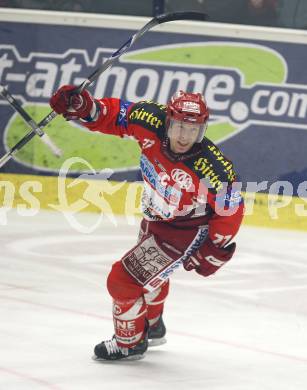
129	321
155	303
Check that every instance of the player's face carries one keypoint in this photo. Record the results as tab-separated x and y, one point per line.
182	135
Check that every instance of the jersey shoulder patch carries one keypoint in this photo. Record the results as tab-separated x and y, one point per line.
149	115
122	119
212	167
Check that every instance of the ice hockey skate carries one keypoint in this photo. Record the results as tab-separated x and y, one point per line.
109	350
156	333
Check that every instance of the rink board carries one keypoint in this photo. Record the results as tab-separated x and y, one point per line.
254	80
28	193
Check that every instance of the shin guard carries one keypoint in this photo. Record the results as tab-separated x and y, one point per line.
129	321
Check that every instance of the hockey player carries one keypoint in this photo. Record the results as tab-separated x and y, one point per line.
188	183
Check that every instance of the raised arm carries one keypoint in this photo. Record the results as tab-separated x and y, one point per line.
106	115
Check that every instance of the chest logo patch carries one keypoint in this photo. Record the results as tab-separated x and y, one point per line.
182	178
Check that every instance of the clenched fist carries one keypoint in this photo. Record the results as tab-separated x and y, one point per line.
72	105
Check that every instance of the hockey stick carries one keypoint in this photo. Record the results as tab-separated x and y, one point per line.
125	47
197	242
29	121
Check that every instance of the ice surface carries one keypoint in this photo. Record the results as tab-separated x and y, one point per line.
243	329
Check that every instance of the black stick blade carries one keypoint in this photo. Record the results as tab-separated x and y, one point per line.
184	15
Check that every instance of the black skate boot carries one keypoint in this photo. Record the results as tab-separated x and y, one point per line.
156	333
109	350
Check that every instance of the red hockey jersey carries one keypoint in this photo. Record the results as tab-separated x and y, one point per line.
194	188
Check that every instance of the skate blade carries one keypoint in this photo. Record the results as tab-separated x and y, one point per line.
156	342
125	359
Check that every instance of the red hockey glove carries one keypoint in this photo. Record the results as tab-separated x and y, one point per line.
209	258
70	105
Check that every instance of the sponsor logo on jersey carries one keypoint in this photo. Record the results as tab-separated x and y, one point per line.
228	167
233	198
168	192
162	212
122	116
211	172
142	117
203	165
164	178
182	178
